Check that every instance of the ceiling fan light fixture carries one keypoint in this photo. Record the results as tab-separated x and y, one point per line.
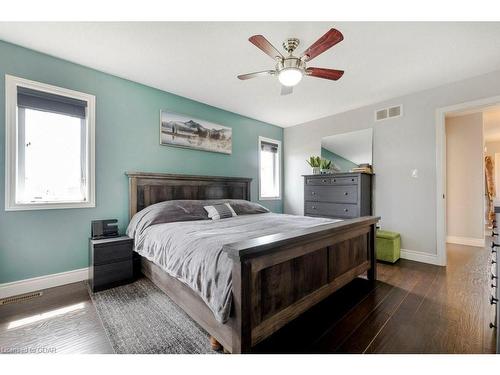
290	76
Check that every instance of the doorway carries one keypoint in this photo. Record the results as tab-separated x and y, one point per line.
480	108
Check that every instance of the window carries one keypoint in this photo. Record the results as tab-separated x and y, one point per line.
49	146
270	170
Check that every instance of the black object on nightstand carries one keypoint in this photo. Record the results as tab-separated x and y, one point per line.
110	262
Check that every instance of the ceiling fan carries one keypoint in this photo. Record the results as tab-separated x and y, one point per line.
291	69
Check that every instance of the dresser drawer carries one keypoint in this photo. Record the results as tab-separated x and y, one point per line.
333	194
331	209
329	180
344	180
318	181
112	252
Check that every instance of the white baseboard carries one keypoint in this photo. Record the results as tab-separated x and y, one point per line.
467	241
43	282
419	256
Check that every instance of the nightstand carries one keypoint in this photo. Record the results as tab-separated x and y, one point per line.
110	262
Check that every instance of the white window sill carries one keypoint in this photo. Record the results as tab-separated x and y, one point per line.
269	198
48	206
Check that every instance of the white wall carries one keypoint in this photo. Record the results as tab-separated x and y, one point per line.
465	177
492	147
406	205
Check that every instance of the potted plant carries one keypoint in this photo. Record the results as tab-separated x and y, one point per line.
315	163
325	166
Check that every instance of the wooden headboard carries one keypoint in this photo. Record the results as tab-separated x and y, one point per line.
146	189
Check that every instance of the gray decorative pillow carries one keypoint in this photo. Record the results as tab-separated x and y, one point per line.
242	207
220	211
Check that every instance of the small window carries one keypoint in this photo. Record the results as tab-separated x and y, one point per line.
50	147
269	169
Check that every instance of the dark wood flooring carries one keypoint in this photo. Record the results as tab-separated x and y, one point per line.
412	308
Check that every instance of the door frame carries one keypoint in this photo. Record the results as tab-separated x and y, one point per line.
473	105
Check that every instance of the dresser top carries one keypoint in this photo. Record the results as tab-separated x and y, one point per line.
340	174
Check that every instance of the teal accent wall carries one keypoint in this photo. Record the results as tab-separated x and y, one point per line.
344	164
36	243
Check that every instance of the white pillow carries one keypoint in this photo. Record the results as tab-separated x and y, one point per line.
220	211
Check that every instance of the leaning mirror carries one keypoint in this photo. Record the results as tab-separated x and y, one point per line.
348	152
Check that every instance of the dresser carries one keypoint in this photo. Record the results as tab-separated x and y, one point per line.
339	195
494	296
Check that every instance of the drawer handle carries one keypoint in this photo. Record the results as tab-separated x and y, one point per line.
492	325
346	210
352	179
493	285
313	207
346	193
493	261
493	233
313	193
323	181
493	245
493	277
334	180
493	300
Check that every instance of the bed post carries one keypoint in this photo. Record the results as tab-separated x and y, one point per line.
132	197
372	246
241	324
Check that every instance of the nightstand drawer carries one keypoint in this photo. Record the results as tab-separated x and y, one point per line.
112	274
112	252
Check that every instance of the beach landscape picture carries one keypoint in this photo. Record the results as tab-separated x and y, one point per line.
184	131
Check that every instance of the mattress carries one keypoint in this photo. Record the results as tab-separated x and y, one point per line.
191	251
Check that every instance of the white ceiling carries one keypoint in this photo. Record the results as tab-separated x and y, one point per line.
354	146
201	60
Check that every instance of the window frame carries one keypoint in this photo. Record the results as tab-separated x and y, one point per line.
278	143
11	144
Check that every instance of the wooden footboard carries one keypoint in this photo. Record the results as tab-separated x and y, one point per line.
278	277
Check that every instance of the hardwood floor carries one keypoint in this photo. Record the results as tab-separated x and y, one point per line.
412	308
63	320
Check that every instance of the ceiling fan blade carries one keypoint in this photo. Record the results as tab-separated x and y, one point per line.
286	90
327	41
332	74
263	44
256	74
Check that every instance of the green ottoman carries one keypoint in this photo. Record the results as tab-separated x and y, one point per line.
388	246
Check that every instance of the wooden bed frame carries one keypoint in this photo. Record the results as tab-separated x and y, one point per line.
275	278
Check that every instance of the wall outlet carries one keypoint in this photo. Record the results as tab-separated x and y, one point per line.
414	173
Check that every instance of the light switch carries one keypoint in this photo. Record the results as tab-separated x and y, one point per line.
414	173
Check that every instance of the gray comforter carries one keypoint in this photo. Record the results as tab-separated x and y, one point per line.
191	251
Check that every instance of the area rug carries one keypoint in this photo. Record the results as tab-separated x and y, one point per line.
140	318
